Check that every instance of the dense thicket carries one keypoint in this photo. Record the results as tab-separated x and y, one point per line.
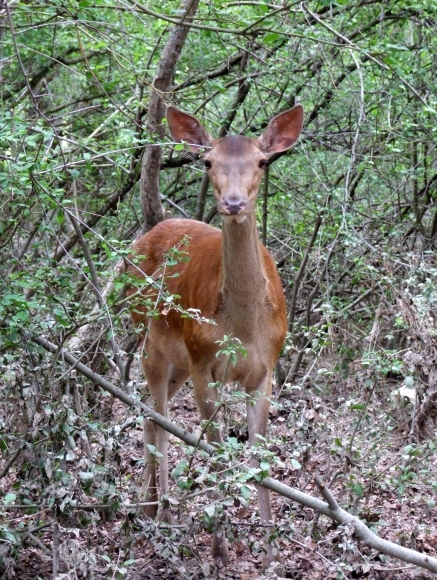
349	215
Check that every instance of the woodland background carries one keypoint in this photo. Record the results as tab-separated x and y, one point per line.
349	216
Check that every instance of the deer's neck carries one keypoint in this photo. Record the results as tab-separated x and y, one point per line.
244	281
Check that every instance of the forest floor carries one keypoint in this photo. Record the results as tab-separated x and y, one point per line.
358	445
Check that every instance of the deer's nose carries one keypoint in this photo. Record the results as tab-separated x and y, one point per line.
234	205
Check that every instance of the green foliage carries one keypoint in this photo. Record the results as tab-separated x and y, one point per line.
73	127
232	347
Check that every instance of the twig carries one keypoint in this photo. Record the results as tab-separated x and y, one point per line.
37	542
11	461
360	417
80	506
314	552
95	285
55	555
301	271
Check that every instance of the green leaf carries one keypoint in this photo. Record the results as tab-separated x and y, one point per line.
21	316
74	173
264	466
358	490
233	442
271	38
60	217
210	511
180	469
7	535
245	491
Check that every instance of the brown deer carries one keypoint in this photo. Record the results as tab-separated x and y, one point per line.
229	277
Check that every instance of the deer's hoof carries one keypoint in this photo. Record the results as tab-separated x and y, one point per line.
273	563
165	515
219	549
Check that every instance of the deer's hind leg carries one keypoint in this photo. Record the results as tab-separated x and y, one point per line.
258	405
206	400
164	379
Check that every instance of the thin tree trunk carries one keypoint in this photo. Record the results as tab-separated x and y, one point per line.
150	199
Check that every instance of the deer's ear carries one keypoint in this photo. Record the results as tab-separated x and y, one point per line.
283	131
185	127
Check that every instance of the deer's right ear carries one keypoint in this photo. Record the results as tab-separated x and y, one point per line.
185	127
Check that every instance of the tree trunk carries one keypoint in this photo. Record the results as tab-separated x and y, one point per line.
150	198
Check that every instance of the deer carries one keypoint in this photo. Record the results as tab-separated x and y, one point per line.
230	277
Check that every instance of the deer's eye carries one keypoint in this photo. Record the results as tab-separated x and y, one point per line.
262	164
207	163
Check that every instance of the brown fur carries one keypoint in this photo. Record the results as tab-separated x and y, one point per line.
231	279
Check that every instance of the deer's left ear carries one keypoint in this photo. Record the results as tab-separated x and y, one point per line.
185	127
283	131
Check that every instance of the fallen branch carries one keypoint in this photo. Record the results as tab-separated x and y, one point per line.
330	509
